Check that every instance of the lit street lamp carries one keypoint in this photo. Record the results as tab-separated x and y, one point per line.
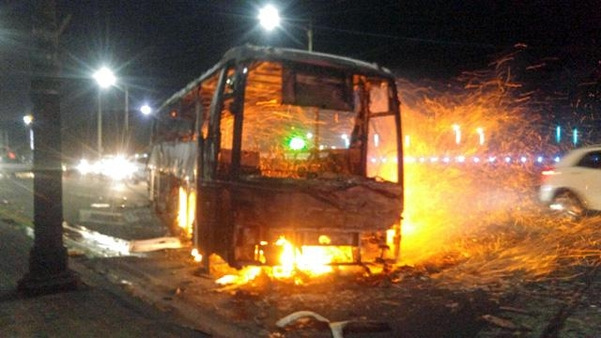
269	18
105	78
28	120
145	109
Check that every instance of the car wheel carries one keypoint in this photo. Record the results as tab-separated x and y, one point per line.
568	204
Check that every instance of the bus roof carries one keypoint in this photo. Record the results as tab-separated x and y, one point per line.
249	52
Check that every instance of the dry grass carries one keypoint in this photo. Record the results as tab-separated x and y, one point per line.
483	226
530	249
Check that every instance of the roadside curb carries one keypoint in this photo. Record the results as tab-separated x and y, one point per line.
126	280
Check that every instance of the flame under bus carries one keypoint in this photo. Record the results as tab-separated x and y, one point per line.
279	154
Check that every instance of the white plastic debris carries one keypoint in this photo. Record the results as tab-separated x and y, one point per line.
336	327
154	244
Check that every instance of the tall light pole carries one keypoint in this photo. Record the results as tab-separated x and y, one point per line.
147	110
457	130
28	120
126	135
126	123
310	36
269	18
105	78
480	132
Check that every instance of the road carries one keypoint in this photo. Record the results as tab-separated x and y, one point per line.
112	208
100	217
98	309
410	301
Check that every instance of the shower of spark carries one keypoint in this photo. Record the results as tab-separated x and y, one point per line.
457	181
470	207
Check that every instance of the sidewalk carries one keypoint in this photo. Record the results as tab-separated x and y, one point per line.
96	309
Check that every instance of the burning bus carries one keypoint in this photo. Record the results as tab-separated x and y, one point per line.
277	154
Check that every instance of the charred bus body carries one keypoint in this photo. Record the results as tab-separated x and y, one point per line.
279	144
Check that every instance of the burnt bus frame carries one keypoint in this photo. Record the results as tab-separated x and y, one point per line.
213	226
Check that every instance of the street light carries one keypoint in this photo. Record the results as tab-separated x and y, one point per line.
269	18
28	120
145	109
105	78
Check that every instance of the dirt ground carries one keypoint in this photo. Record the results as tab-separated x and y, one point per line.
405	302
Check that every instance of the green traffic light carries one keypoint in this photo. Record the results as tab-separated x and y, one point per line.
297	143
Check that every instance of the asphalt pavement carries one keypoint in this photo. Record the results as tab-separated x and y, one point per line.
95	309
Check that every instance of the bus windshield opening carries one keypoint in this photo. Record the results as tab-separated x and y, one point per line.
311	122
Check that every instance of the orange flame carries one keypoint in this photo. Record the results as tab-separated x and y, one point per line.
294	262
246	275
197	255
313	260
186	211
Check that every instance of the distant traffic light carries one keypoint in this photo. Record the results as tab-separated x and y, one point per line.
297	143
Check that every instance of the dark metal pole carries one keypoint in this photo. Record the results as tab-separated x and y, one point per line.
99	124
126	110
126	137
310	36
48	270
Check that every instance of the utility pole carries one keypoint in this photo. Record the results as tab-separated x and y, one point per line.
48	259
99	122
126	136
310	36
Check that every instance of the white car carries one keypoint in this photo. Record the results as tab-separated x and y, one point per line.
573	185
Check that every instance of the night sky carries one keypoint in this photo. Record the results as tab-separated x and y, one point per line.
157	47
